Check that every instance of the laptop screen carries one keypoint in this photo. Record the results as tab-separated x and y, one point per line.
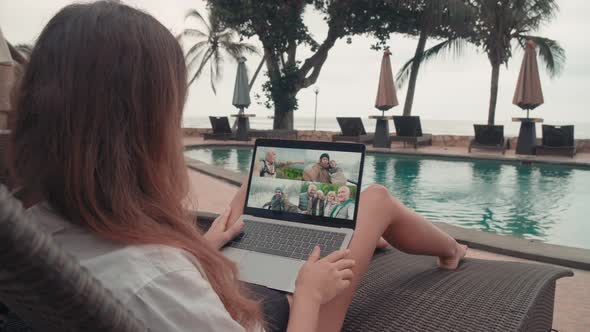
312	182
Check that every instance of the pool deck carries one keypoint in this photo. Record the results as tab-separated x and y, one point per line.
579	160
212	189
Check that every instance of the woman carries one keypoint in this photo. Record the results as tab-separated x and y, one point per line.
97	139
330	203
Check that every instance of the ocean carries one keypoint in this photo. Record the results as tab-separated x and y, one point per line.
437	127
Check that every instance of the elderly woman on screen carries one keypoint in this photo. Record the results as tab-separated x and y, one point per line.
330	203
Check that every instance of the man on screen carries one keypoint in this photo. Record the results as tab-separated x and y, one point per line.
267	166
279	202
345	207
318	172
307	200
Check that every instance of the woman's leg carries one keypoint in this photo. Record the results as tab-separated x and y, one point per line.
380	214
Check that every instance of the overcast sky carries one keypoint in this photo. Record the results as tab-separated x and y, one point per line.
447	89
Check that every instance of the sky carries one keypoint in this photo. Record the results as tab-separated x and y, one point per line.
448	88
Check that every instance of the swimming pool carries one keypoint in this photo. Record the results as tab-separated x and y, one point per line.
543	202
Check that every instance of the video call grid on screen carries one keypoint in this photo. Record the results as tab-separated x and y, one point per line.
317	184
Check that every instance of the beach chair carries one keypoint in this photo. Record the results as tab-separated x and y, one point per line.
352	130
220	128
557	140
46	289
488	137
408	130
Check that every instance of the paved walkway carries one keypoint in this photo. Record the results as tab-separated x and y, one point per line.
572	302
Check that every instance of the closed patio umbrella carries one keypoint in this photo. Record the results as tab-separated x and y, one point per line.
528	94
6	74
241	98
386	95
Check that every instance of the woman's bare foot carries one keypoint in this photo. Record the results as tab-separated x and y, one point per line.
451	263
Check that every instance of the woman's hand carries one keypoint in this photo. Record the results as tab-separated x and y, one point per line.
322	279
219	233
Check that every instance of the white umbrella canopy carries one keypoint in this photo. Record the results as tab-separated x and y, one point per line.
6	74
528	94
386	94
241	98
5	58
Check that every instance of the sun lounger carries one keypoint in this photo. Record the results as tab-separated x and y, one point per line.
488	137
352	130
221	128
557	140
408	130
51	292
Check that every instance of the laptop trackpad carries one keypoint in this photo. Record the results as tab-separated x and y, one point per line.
270	271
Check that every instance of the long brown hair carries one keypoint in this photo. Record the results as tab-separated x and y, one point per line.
98	135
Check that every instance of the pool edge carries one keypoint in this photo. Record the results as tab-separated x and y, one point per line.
516	159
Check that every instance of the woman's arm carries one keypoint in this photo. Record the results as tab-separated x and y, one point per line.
236	205
304	314
318	282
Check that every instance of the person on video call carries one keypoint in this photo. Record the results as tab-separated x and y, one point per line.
336	174
276	203
318	209
330	203
307	200
267	166
345	207
318	172
279	202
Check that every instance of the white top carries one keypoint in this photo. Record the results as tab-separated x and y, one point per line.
163	286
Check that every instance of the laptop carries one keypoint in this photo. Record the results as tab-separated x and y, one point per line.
300	194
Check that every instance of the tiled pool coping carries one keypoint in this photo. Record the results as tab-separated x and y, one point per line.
528	249
582	160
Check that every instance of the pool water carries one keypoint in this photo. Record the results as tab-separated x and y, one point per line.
543	202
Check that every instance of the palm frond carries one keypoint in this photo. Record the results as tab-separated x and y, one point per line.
550	52
453	46
193	33
237	50
191	61
193	13
196	49
204	61
216	69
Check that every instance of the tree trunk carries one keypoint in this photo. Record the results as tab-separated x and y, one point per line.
283	119
414	73
493	93
256	73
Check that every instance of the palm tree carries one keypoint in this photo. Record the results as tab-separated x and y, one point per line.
433	19
500	23
212	41
494	25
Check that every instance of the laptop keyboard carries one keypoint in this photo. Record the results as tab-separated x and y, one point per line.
286	241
